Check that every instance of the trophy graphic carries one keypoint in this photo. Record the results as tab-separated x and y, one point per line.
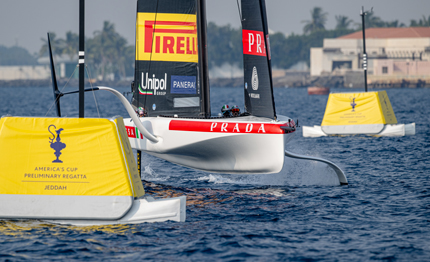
57	145
353	104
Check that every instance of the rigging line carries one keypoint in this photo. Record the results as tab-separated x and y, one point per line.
91	84
58	98
152	46
238	8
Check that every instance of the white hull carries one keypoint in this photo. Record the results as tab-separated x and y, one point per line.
384	130
244	145
143	210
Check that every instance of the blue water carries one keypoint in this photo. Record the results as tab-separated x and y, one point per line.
299	214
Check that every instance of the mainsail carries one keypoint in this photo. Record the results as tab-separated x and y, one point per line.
167	76
256	59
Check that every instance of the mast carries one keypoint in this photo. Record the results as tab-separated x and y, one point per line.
362	13
203	58
81	57
267	43
258	87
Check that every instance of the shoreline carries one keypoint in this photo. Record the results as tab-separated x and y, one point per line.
299	80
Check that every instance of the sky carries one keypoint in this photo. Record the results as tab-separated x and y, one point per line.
25	22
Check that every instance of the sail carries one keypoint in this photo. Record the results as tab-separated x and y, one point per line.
256	59
167	58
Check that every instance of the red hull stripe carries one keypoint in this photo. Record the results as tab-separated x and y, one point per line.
225	127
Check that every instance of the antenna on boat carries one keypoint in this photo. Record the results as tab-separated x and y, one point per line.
362	13
81	57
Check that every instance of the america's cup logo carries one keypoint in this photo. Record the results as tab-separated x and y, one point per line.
57	145
353	104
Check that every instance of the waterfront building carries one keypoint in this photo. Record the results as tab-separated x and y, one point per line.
394	55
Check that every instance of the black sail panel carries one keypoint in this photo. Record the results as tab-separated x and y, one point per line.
166	73
256	59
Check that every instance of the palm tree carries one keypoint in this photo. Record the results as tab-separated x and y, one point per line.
414	23
319	18
425	22
108	51
71	45
373	21
119	59
394	23
342	22
57	45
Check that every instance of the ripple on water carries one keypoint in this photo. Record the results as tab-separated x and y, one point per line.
298	214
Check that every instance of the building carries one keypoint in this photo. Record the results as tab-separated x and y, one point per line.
64	67
36	72
394	54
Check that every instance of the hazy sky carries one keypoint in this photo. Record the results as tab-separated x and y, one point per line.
25	22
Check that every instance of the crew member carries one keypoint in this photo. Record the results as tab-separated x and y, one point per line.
235	110
140	112
225	110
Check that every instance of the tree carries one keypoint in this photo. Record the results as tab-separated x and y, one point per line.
424	22
71	45
224	45
394	23
108	51
317	22
57	45
342	22
16	55
279	50
129	55
371	21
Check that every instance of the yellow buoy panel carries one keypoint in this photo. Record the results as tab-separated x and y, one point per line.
66	168
358	109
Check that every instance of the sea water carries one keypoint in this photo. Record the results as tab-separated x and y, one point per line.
299	214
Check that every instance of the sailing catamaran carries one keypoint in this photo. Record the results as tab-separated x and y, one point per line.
171	86
171	91
172	97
